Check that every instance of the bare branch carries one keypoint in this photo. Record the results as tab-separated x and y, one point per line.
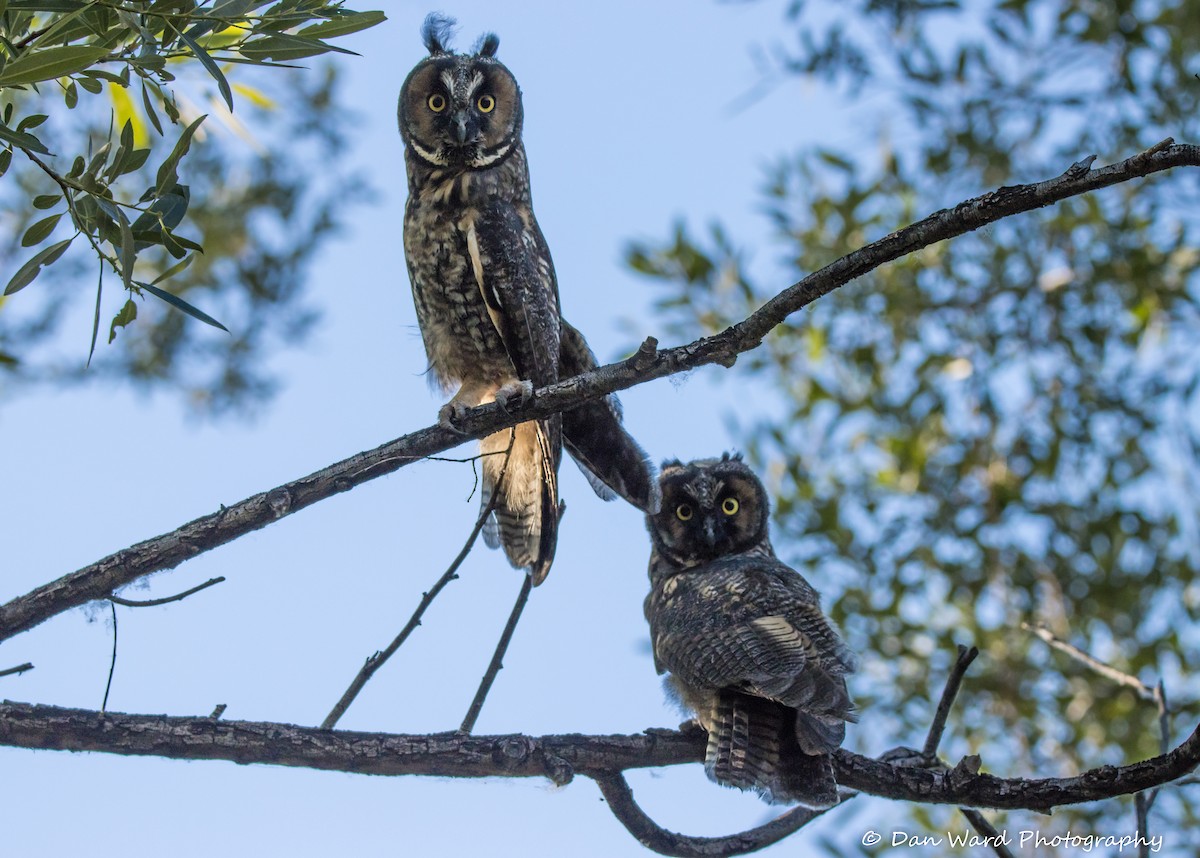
1143	690
620	800
497	661
556	757
150	603
112	665
987	831
953	683
376	661
19	669
99	579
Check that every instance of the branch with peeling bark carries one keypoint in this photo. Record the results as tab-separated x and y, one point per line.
558	758
100	579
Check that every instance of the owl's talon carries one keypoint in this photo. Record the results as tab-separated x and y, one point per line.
514	393
449	413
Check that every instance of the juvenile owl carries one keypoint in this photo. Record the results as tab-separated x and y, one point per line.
487	298
743	637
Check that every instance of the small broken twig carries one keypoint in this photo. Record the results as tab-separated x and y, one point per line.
150	603
112	667
497	662
20	668
953	683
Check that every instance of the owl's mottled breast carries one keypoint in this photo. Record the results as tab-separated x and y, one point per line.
461	339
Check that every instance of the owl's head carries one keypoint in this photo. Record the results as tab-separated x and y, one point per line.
710	508
459	110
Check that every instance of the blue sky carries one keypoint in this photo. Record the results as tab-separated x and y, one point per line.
636	115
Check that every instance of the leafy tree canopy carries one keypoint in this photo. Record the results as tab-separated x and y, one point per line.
125	161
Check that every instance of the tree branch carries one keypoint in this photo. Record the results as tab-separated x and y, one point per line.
19	669
99	579
558	758
620	800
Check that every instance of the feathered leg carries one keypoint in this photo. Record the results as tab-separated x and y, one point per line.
525	482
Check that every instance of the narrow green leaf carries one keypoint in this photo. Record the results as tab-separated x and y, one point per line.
343	25
179	303
33	267
31	121
5	160
90	84
46	201
283	47
151	113
128	314
211	66
173	270
20	138
96	316
71	95
166	172
40	231
49	63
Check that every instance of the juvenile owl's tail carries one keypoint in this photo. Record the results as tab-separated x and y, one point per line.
612	461
753	745
525	483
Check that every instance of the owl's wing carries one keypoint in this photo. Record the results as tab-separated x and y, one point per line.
512	268
611	460
758	627
515	275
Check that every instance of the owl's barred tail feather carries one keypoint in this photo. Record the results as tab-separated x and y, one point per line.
525	482
752	745
612	461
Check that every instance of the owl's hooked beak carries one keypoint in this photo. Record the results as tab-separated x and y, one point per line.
710	533
460	127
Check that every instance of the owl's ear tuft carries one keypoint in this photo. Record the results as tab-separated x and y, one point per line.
487	45
436	33
735	456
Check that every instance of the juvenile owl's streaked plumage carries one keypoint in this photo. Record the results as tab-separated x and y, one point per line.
487	298
743	637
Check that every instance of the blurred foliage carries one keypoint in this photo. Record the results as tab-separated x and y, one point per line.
115	88
1000	429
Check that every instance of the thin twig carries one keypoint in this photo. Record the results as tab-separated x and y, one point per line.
112	666
650	834
953	683
1156	695
376	661
1142	810
150	603
986	830
497	662
97	580
1107	671
20	668
938	727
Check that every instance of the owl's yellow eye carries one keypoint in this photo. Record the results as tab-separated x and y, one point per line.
683	512
437	102
486	103
730	506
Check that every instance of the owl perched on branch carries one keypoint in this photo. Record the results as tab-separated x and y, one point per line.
743	637
487	298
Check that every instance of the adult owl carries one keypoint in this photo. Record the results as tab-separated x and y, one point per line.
487	297
743	637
